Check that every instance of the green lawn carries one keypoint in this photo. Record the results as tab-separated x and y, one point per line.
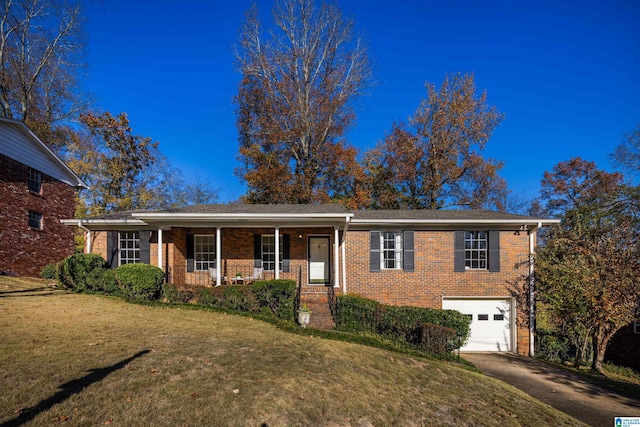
93	360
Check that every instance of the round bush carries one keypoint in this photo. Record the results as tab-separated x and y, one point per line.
140	281
49	272
79	272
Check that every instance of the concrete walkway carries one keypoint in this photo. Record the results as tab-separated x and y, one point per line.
570	393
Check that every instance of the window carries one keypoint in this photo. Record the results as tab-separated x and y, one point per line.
475	253
483	317
636	326
34	181
391	244
205	252
35	220
269	252
498	317
129	247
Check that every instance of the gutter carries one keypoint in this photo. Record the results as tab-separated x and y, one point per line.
532	304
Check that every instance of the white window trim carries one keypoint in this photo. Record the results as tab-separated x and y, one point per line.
212	262
398	261
135	236
263	252
468	260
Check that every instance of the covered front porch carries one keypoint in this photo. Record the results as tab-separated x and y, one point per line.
238	247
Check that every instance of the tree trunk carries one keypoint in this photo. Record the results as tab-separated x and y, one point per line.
600	341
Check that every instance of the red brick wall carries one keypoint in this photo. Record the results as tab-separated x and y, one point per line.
24	250
434	277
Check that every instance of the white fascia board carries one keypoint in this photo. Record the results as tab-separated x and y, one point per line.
232	216
497	222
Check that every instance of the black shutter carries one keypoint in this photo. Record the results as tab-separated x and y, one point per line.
459	252
257	251
190	249
374	252
408	252
494	250
145	249
112	249
286	253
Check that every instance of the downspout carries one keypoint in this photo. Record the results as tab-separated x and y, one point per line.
88	238
344	255
532	303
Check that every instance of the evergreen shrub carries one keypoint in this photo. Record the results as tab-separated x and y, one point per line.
275	295
79	272
141	282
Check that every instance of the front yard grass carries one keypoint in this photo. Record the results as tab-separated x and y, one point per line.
93	360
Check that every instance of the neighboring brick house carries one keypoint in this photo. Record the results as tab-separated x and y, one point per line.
467	260
37	190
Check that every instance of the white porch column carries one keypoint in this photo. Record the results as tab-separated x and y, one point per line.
160	250
88	239
218	257
277	267
344	263
336	258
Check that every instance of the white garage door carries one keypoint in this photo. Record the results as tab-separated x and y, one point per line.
490	322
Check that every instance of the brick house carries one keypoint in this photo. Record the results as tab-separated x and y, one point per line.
37	190
464	260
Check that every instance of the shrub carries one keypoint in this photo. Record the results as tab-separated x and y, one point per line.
206	296
170	293
140	281
105	282
356	314
79	272
437	339
239	297
402	324
49	272
276	295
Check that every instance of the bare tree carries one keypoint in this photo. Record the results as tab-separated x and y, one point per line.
41	53
296	99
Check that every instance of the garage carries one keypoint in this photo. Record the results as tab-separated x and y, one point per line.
491	322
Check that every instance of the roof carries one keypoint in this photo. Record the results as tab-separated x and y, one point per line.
19	143
433	214
283	215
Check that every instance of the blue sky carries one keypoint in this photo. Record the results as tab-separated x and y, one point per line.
565	73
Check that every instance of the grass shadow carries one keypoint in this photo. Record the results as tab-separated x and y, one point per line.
68	389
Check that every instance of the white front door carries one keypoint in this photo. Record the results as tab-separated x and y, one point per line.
319	256
490	322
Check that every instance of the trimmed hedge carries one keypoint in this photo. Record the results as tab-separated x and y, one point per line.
141	282
81	272
403	324
276	296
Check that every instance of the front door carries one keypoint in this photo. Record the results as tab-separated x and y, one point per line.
319	268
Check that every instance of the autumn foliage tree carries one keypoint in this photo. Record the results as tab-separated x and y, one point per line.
588	271
296	100
434	161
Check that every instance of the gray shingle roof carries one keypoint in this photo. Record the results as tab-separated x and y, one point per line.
431	214
261	209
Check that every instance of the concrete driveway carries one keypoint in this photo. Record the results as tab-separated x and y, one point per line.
568	392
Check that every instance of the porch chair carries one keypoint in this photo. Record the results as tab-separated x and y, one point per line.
257	275
213	274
